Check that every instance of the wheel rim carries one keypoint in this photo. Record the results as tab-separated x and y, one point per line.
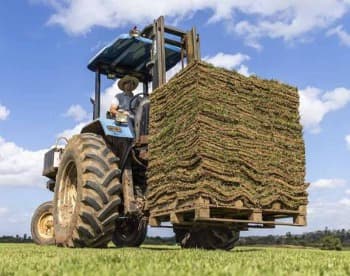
45	226
67	194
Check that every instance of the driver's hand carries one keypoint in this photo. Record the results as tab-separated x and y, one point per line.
124	112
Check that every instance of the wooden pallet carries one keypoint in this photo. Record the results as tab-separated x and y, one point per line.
202	212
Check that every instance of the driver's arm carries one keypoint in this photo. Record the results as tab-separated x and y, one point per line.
114	106
113	109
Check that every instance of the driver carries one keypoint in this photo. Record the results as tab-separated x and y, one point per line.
121	101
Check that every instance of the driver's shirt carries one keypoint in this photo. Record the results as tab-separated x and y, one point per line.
123	101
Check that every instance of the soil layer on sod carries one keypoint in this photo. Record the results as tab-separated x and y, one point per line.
220	135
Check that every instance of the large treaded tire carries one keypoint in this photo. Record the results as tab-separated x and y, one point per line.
87	193
130	232
42	224
210	238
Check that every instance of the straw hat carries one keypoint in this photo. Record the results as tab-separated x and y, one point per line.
128	78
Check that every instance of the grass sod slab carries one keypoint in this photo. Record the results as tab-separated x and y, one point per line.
216	133
28	259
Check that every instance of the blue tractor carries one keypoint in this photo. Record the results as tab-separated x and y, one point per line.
99	177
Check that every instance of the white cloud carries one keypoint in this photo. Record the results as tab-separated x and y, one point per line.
68	133
345	201
288	19
341	34
20	167
328	183
347	140
77	112
3	211
4	112
228	61
243	70
347	192
314	105
328	213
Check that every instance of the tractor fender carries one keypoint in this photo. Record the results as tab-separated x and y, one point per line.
109	127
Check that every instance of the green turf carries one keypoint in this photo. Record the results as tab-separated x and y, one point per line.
19	259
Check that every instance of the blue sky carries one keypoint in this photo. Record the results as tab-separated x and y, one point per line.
45	86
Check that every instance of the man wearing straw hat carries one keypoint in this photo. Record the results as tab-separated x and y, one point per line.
121	101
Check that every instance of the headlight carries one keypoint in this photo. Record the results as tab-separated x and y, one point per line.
121	117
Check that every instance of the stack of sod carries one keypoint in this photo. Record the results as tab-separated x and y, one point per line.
217	134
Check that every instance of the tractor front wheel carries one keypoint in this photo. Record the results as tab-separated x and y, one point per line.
42	224
87	193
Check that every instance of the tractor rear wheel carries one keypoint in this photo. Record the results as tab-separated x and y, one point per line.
210	238
87	193
42	224
130	232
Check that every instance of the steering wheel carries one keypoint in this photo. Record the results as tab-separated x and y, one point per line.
133	109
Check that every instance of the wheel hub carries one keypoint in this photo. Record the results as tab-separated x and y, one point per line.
45	226
67	196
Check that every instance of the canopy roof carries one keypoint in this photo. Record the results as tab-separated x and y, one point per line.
128	55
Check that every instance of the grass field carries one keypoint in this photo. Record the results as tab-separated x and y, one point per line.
28	259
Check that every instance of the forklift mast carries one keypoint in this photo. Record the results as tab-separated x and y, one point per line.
160	34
